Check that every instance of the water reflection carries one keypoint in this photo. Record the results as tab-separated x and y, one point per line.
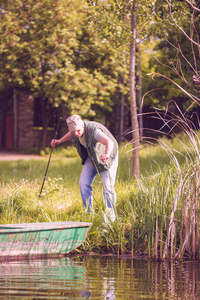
46	279
108	278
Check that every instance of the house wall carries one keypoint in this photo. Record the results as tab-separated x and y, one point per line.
27	136
24	115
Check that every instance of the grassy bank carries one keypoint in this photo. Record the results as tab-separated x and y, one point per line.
156	215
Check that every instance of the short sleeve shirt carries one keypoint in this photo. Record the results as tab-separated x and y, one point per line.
98	135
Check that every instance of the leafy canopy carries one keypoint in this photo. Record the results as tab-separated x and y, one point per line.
48	47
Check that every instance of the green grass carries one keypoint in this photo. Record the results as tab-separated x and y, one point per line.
147	209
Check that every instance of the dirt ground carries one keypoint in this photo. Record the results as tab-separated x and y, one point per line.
12	155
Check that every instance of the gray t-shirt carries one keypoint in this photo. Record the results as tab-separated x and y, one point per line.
98	135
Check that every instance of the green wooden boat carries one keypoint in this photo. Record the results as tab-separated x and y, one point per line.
41	239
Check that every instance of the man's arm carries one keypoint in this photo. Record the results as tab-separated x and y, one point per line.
65	138
109	146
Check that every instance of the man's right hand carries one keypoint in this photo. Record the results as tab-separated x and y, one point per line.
54	143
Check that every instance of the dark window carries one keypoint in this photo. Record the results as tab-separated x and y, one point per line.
37	112
50	112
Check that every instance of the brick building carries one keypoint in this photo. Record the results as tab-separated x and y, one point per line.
18	123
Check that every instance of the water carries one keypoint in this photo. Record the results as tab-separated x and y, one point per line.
87	277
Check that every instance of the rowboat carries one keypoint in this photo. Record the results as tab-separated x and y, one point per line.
41	239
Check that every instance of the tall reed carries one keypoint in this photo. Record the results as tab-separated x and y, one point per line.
172	200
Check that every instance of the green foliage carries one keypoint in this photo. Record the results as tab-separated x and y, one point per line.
49	48
112	19
35	39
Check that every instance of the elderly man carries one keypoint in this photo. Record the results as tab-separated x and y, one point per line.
98	150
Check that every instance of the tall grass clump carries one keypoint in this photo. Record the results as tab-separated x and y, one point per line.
158	213
163	212
182	236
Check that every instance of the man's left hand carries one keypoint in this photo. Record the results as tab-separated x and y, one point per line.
104	157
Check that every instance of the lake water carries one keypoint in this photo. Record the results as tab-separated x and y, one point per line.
91	277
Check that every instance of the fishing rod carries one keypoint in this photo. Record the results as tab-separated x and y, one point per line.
45	175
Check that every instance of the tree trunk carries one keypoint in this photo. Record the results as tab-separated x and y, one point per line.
44	122
122	104
134	120
121	123
121	118
140	93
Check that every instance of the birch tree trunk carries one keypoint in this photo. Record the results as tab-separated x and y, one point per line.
121	118
133	106
140	93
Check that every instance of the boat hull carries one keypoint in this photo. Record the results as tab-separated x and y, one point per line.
41	239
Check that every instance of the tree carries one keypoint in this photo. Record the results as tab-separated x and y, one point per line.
134	119
177	57
41	51
36	40
125	22
100	63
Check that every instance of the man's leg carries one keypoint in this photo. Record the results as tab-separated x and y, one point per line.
108	180
86	179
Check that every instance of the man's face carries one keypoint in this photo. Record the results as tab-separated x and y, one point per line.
79	133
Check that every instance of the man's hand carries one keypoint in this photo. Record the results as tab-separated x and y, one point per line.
54	143
104	157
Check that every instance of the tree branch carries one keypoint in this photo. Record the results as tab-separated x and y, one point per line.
192	6
170	11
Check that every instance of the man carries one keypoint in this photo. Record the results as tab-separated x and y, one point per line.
98	150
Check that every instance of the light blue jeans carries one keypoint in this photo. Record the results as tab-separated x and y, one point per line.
108	180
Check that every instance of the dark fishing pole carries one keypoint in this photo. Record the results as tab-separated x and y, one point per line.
45	176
